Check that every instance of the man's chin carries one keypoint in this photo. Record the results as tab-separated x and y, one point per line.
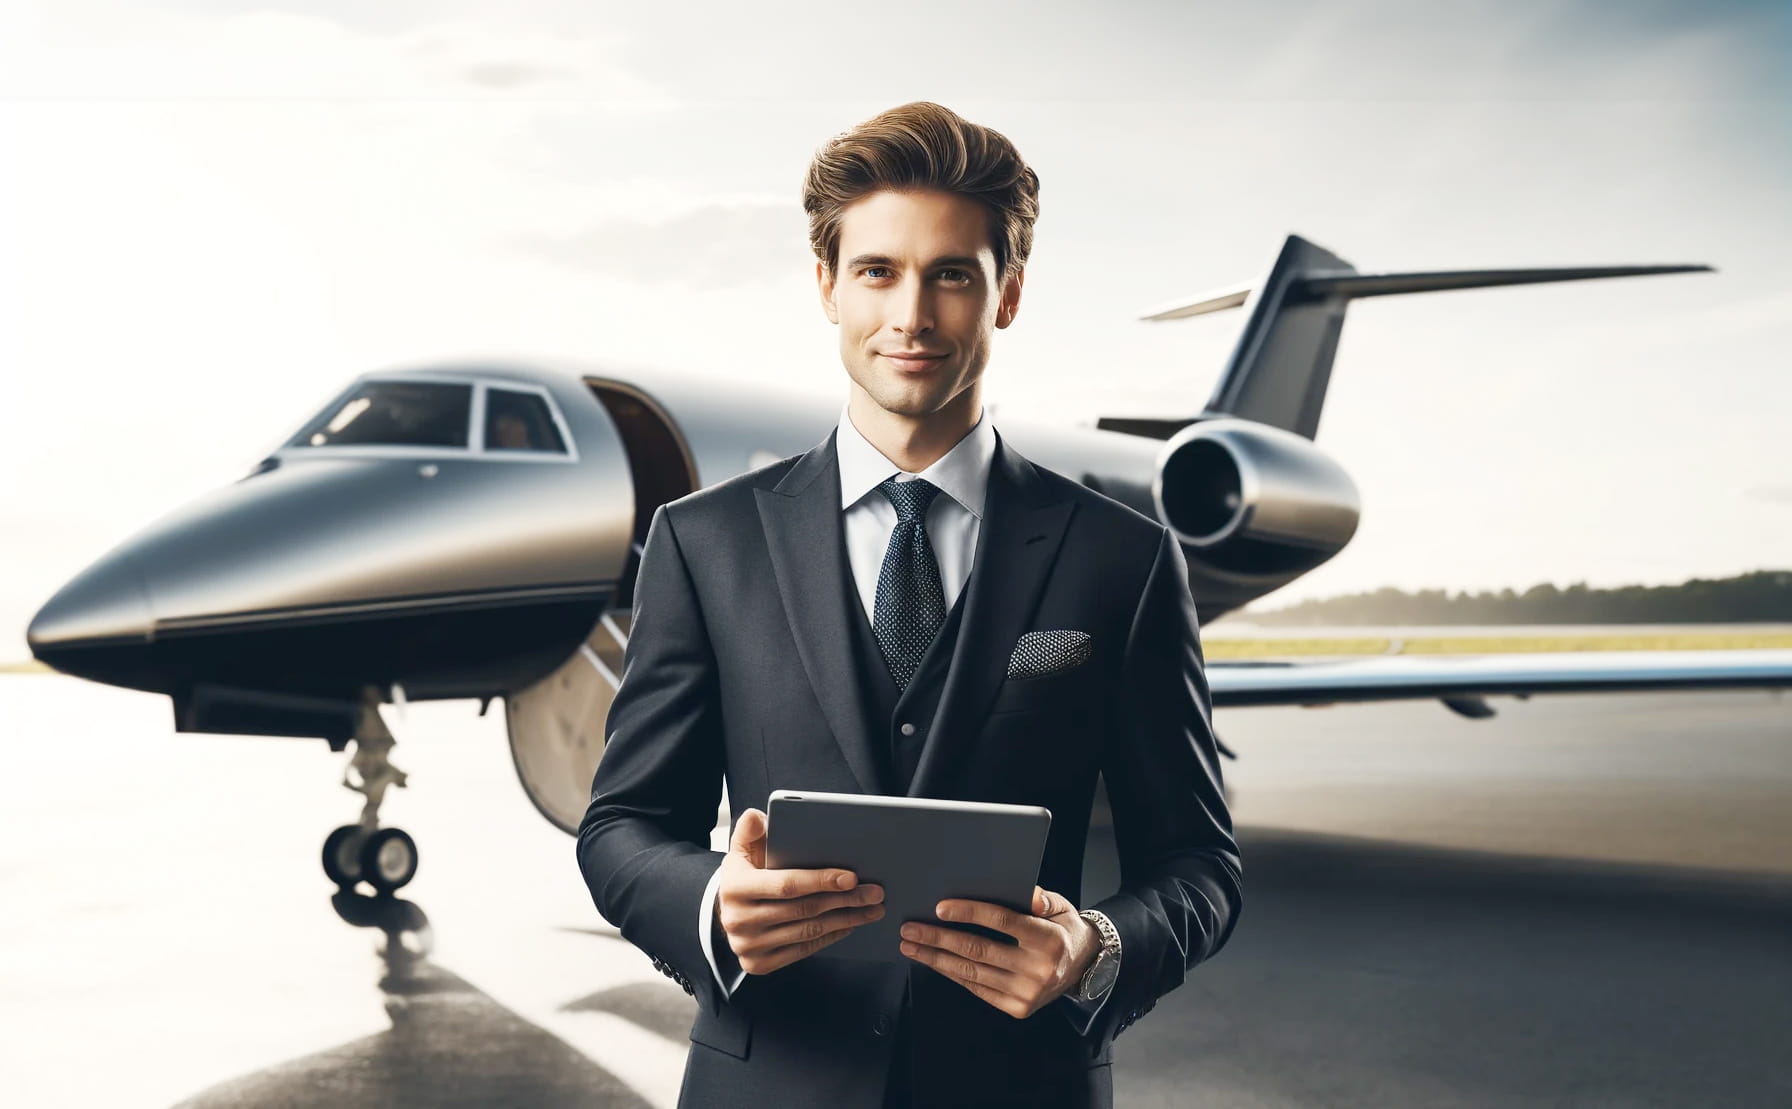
913	400
908	406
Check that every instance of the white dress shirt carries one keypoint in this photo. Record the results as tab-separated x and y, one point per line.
952	523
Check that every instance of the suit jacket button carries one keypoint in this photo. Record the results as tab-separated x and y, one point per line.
883	1024
908	729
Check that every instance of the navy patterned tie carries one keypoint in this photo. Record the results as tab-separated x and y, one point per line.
910	605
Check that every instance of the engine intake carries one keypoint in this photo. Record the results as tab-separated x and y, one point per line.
1252	501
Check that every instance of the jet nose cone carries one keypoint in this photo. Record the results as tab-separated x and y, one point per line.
104	605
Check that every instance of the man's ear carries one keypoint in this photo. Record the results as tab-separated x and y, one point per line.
1010	305
825	285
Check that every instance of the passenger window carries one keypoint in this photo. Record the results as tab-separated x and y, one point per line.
520	422
395	413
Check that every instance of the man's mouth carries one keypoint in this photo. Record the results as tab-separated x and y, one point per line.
912	362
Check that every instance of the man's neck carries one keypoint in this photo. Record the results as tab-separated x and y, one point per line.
915	443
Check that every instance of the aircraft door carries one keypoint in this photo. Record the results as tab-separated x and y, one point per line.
557	725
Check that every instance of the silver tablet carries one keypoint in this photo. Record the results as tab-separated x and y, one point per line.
920	850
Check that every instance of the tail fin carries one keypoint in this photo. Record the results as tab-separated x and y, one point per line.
1279	370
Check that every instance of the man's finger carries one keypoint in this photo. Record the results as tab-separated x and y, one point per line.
754	914
1003	919
790	953
783	885
788	932
988	953
992	984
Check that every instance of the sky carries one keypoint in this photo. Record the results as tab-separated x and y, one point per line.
213	215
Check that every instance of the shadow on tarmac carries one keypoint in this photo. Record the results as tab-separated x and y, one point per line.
648	1005
449	1045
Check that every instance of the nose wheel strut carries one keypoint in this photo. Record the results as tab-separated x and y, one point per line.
384	858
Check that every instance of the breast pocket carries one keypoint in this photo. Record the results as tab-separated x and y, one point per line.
1054	690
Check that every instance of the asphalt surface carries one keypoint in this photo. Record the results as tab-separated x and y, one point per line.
1586	900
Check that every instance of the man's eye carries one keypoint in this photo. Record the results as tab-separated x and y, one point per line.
961	275
869	269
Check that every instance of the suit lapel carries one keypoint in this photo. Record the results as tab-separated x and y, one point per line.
804	534
1017	542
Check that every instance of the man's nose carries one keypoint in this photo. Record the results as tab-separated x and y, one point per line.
912	309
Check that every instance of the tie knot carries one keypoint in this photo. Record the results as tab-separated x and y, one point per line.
911	498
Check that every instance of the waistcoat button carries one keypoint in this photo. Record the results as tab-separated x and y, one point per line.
908	729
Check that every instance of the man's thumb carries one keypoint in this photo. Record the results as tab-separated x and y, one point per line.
749	837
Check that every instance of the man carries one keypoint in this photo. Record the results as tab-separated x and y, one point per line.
912	608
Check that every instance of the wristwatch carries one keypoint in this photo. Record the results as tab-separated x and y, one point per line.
1099	978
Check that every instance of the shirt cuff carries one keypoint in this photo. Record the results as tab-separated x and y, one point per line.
706	922
1092	1008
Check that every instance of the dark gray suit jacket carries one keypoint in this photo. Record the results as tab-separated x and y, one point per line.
739	664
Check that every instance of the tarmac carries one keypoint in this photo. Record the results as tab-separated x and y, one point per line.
1585	900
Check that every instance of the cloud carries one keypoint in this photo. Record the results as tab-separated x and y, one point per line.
512	75
282	55
1772	494
716	246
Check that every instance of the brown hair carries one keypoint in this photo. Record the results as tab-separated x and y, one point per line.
918	146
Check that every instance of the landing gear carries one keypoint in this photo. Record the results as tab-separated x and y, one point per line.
388	859
384	858
342	854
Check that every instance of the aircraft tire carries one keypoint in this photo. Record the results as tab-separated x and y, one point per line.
388	859
342	855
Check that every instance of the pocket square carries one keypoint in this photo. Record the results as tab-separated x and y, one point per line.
1048	652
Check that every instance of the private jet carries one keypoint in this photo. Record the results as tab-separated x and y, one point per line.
473	531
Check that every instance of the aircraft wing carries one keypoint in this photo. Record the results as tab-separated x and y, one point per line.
1460	681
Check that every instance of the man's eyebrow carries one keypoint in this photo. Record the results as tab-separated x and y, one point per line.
885	260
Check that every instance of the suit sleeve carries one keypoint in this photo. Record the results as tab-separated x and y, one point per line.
1181	876
643	845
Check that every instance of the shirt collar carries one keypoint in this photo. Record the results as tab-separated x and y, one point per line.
962	473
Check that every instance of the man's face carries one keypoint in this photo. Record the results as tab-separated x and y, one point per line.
917	274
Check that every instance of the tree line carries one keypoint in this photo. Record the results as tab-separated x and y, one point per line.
1761	595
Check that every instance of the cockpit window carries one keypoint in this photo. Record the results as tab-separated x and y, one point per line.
520	422
395	413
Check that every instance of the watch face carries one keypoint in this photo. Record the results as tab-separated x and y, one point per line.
1101	975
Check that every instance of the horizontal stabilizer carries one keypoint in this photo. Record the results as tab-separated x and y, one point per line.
1149	427
1281	365
1201	305
1353	285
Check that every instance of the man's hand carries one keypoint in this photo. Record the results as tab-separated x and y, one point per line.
772	918
1056	948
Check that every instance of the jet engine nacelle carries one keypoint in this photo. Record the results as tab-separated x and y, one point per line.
1253	506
